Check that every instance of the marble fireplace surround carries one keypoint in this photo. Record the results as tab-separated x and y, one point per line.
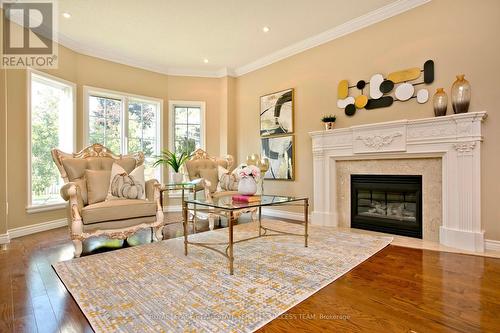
428	168
455	140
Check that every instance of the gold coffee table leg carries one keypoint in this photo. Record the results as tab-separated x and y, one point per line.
184	224
306	219
260	221
230	251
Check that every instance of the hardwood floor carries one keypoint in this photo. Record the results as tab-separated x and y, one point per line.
404	290
397	290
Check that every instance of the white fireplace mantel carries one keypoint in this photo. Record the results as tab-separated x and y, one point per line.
456	139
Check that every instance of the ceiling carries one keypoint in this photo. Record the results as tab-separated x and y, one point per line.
175	36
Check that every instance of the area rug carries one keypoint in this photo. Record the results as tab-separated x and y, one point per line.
155	288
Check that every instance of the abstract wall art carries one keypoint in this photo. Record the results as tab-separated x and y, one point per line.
276	113
381	92
280	152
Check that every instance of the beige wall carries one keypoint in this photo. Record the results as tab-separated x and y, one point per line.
17	164
85	70
186	88
227	131
460	36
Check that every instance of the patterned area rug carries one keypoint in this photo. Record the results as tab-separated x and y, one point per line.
155	288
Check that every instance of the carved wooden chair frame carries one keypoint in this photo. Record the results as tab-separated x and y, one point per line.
70	193
213	214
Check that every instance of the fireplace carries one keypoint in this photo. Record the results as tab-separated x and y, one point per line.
456	140
387	203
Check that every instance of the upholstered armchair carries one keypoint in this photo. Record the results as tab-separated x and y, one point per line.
90	216
202	166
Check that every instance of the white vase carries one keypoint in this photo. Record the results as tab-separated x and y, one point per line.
247	186
177	177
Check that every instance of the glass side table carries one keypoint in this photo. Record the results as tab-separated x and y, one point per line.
188	191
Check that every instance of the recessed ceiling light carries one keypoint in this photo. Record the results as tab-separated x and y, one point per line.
266	29
66	15
205	61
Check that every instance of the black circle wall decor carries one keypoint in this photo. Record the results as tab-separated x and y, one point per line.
429	71
361	84
386	86
382	102
350	110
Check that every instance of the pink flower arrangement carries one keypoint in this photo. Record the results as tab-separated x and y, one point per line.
250	171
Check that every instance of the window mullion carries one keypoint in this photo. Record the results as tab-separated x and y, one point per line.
142	126
124	136
105	116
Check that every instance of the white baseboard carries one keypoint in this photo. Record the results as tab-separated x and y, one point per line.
325	219
32	229
265	211
492	245
172	209
283	214
4	238
465	240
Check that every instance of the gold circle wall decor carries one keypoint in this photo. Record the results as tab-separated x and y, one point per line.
361	101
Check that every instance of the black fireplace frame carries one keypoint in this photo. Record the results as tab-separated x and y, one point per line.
400	183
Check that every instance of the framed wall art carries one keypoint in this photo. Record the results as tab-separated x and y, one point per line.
276	113
280	151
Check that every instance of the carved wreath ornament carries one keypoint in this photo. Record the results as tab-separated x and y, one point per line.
377	141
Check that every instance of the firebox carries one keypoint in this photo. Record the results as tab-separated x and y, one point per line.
387	203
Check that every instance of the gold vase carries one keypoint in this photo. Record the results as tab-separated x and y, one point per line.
440	102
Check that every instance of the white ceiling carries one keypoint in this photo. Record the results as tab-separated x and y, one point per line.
174	36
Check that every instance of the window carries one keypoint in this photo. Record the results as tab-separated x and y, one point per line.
187	126
105	122
124	124
51	121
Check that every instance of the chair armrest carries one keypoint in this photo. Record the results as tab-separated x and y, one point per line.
153	194
71	192
201	184
150	189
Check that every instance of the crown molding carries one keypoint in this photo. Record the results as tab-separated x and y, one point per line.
129	61
181	71
351	26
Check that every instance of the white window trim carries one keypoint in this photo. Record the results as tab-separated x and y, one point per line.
30	209
171	123
171	130
124	97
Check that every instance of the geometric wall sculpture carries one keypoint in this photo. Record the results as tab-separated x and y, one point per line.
381	92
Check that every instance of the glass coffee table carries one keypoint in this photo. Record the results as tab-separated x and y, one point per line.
225	203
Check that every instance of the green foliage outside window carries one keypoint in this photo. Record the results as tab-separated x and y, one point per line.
44	137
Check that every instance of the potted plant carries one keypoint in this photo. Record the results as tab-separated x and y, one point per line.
329	121
175	160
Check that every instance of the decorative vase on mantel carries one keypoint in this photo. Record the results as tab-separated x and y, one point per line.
460	94
440	102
